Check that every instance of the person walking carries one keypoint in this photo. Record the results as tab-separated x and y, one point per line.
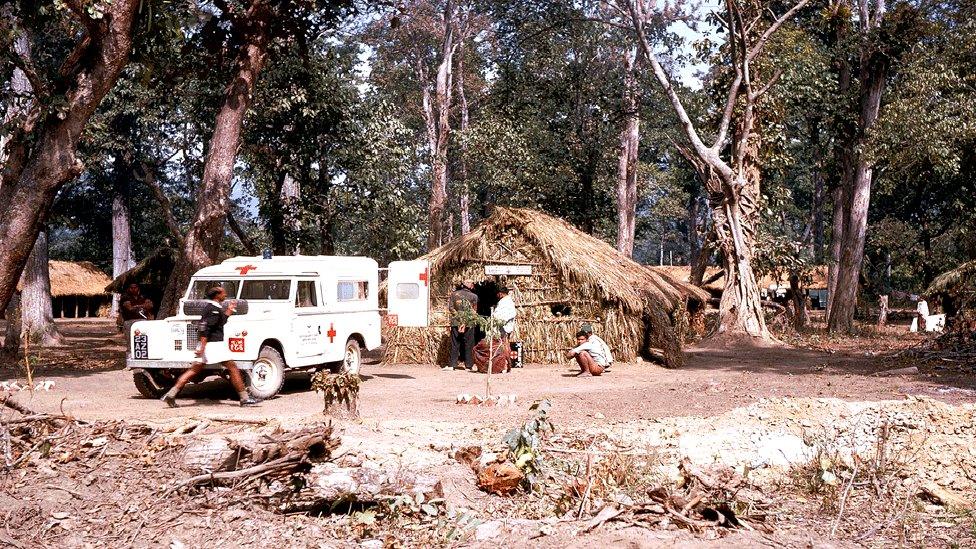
462	335
211	330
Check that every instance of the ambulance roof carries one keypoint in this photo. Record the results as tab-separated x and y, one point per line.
289	265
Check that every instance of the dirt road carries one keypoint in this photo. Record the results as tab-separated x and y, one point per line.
89	384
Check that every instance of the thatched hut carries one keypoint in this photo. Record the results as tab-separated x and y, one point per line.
151	274
560	277
955	289
815	286
78	290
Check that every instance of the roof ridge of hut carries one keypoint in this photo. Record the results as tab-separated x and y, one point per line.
628	282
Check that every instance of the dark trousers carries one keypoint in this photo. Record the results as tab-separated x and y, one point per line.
458	338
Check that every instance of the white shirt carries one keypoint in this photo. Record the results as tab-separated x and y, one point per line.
506	312
598	350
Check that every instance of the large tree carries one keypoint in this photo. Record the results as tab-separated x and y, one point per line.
730	170
244	33
46	145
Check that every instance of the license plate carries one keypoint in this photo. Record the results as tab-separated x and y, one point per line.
236	344
140	346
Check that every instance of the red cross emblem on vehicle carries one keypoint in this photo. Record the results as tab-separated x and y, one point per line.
245	268
425	276
331	333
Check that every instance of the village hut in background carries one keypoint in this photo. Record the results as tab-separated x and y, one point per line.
151	274
772	287
955	290
560	278
78	290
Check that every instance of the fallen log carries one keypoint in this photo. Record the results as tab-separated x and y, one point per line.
327	484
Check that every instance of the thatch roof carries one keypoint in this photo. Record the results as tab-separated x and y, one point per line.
81	278
585	261
152	271
817	281
957	283
636	310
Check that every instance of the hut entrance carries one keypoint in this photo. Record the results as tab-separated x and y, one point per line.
487	292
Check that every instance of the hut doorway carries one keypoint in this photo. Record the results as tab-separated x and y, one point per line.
487	292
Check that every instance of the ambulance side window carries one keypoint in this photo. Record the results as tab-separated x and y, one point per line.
306	296
348	290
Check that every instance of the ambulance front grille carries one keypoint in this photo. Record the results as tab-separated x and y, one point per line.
192	336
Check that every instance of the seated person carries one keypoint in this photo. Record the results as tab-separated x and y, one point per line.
590	353
597	340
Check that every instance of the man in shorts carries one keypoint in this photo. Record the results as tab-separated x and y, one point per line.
211	330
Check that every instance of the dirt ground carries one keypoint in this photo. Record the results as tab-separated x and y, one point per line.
756	408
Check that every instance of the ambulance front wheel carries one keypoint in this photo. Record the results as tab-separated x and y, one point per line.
267	375
353	359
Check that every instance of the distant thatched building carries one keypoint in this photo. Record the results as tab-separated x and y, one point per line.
815	285
955	289
78	290
560	277
151	274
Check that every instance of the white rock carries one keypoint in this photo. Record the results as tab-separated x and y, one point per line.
488	530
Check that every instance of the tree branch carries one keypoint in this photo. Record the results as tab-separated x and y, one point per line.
761	43
705	153
91	25
149	178
238	231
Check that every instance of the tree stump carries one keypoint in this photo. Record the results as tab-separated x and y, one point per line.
340	393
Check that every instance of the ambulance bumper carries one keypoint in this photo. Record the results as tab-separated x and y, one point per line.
139	365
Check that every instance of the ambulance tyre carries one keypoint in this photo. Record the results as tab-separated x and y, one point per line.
268	374
150	388
353	359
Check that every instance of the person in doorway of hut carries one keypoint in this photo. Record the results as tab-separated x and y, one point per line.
591	337
590	354
134	306
211	330
463	299
505	313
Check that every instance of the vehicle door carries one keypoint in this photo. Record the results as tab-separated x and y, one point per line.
408	293
307	325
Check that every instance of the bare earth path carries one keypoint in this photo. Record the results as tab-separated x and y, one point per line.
89	384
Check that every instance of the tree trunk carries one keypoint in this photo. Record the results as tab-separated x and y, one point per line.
90	72
627	161
290	198
873	76
37	318
11	340
201	245
438	138
694	237
122	259
883	314
800	317
464	199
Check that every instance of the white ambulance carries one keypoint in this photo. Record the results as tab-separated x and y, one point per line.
293	313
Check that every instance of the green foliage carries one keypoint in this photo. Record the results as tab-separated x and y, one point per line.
524	443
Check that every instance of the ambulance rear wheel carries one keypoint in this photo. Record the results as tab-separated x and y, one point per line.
267	375
352	361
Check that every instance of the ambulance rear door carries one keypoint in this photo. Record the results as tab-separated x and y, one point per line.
408	293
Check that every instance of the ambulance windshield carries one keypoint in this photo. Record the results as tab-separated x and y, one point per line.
199	287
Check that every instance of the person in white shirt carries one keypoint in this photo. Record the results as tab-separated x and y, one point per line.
505	312
597	340
591	353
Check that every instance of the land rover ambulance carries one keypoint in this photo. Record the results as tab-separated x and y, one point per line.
293	313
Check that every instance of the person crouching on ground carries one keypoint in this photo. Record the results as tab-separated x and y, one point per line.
598	341
589	354
211	330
